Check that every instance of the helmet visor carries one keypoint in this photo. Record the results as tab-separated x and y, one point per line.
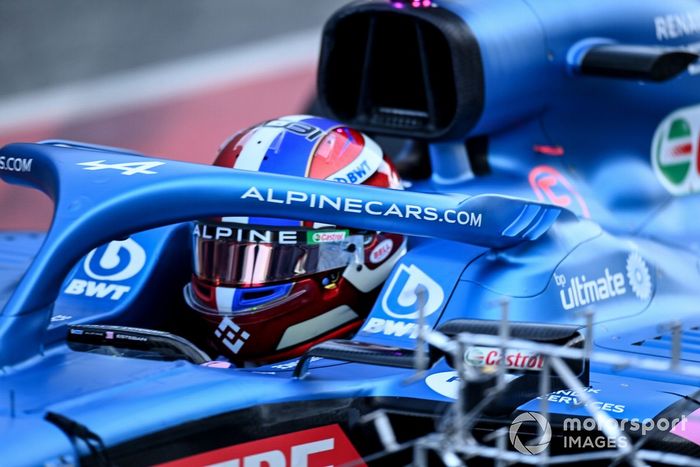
226	254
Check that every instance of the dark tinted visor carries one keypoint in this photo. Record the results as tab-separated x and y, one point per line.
235	255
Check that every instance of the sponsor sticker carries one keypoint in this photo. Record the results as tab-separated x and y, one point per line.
357	173
445	383
323	446
401	302
363	165
582	290
381	251
549	185
231	335
400	299
571	397
326	236
16	164
394	328
116	261
676	151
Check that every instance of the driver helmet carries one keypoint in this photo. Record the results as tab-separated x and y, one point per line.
267	289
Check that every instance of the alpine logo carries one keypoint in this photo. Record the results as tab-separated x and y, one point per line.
400	299
115	262
231	335
126	168
324	446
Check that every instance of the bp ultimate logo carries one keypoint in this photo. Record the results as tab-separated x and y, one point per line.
587	289
675	151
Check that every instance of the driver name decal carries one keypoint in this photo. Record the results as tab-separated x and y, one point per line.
358	206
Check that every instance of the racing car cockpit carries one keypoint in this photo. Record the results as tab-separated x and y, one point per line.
559	169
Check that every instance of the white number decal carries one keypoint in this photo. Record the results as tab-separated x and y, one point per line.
126	168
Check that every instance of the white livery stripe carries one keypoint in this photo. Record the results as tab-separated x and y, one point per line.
236	219
316	326
224	299
364	165
258	144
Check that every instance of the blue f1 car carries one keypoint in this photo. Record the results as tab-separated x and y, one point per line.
563	146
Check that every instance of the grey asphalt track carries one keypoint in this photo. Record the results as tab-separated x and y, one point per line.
44	43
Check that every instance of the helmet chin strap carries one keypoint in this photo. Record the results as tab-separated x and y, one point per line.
365	279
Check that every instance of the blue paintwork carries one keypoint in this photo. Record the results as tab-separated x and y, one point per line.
527	252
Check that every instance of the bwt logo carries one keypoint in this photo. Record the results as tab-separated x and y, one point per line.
115	262
400	300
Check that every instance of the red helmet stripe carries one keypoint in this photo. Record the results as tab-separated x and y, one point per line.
338	149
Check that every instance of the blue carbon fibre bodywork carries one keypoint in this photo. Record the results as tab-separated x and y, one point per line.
618	242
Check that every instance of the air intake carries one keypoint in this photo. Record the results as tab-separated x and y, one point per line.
401	71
